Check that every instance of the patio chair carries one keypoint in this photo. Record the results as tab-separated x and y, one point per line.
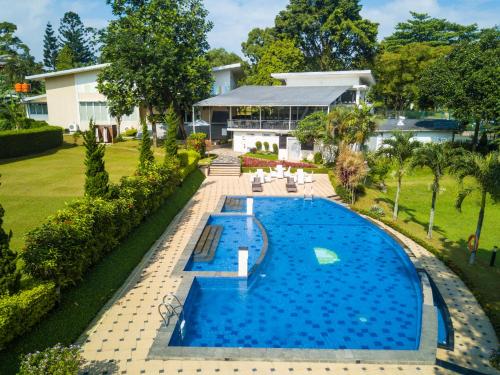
257	185
288	172
273	174
308	177
300	177
261	175
290	185
279	171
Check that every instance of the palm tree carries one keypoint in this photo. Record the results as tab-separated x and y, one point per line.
399	149
438	157
361	123
486	171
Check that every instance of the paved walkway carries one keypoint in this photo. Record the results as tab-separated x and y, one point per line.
120	339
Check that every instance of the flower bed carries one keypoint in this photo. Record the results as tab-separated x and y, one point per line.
254	162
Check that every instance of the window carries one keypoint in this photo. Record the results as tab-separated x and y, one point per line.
98	111
37	108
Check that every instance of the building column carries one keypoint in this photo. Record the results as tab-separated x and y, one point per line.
290	119
192	122
260	117
210	123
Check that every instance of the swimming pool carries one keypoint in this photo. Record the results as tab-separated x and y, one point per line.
329	280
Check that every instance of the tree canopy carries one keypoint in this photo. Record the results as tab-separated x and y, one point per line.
331	34
256	42
422	28
78	38
467	81
219	57
278	56
159	48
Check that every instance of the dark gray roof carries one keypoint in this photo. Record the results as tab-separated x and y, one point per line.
419	125
275	96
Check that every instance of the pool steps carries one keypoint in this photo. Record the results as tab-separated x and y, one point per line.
204	250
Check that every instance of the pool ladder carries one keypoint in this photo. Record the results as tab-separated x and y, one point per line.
168	310
310	196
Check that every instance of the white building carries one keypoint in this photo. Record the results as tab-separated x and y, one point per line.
270	113
424	131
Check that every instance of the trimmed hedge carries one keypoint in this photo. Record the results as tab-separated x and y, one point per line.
68	243
15	143
18	313
189	161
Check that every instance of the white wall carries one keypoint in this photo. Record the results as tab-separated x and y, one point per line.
244	141
375	142
223	82
322	81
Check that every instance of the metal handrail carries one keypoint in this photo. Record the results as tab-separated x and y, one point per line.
170	309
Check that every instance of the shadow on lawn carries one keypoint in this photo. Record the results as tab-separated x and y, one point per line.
65	145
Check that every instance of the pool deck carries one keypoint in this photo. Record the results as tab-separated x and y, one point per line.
120	338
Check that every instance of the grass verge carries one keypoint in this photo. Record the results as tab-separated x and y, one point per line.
260	155
80	304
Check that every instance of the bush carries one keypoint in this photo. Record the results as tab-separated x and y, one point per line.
130	132
318	158
266	146
18	313
188	160
67	244
377	211
15	143
258	145
58	360
275	148
196	142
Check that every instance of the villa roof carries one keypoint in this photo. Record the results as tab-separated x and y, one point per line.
38	77
235	66
414	125
276	96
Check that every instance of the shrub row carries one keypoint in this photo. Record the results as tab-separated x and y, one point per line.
68	243
18	313
188	160
15	143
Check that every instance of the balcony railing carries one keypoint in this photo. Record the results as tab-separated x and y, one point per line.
264	124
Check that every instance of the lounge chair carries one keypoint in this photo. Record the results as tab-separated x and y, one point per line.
308	177
263	177
290	185
288	172
257	185
273	174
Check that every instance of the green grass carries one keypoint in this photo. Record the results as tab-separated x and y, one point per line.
35	186
451	230
80	304
258	155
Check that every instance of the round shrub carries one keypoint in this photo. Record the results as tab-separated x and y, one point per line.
58	360
318	158
258	145
196	141
130	132
266	146
275	148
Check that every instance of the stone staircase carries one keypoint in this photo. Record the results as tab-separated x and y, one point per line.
225	165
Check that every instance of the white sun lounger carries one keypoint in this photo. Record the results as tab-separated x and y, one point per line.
279	171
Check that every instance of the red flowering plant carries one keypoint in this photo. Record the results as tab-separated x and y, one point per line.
255	162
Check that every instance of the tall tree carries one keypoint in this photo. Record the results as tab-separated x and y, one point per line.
172	120
50	47
398	73
361	124
96	177
146	155
331	33
485	170
437	157
159	47
434	31
9	276
467	81
399	149
77	37
16	58
65	59
256	42
279	56
119	95
219	57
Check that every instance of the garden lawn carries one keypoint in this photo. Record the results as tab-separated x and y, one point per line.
451	230
80	304
259	155
36	186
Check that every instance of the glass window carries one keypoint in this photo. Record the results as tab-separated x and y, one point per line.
98	111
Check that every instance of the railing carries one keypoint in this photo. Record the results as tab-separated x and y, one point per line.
264	124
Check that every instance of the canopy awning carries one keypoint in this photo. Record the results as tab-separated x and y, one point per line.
276	96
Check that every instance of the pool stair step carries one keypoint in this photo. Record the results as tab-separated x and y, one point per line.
204	250
234	203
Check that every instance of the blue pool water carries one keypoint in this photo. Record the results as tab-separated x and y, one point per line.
329	280
237	231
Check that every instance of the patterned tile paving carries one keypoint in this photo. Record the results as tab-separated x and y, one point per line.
120	338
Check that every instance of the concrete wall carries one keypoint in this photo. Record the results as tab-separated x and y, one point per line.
323	81
223	82
62	101
244	141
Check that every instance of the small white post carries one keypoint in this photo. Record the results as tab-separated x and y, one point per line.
243	262
249	206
